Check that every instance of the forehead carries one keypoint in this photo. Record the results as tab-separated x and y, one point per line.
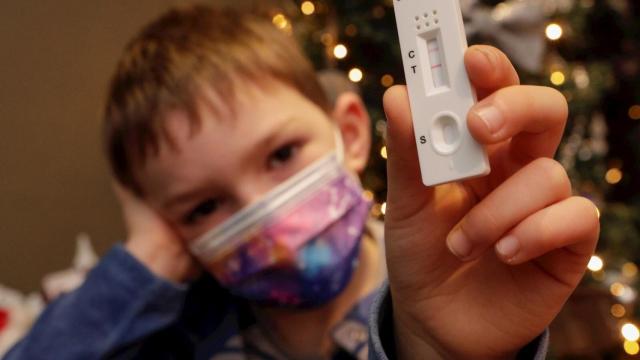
249	110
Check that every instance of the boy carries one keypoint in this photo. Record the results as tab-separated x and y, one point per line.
215	120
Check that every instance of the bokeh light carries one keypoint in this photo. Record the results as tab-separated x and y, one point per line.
631	347
634	112
553	31
617	289
383	152
630	332
613	176
596	263
340	51
280	21
356	75
557	78
308	8
387	80
629	270
618	310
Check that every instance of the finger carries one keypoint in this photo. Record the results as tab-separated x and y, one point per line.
572	224
533	116
489	69
405	188
534	187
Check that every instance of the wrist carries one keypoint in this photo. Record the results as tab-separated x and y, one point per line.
413	341
408	344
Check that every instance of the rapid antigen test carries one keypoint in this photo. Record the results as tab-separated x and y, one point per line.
433	43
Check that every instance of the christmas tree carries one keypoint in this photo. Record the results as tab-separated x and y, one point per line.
587	49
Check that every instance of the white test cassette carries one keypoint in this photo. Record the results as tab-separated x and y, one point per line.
433	43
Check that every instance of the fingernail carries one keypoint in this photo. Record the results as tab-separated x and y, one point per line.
491	116
508	247
459	245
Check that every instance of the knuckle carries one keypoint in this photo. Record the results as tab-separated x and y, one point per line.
555	176
589	225
510	100
480	226
592	214
562	101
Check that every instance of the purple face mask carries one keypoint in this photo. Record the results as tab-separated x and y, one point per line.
296	247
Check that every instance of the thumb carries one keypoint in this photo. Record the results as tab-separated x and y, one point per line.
406	193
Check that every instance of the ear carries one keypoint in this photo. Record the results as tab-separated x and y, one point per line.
353	120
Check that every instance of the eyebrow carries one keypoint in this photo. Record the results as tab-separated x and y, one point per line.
273	134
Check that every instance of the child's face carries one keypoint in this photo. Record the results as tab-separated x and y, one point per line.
232	160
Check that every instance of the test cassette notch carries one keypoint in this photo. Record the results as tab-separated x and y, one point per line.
433	43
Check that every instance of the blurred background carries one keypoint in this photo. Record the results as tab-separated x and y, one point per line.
54	184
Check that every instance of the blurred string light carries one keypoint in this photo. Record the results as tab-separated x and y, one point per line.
628	296
375	210
383	209
557	78
308	8
553	31
631	347
613	176
368	194
383	152
356	75
351	30
617	289
282	23
630	332
623	293
618	310
387	80
280	20
596	263
629	270
340	51
634	112
581	77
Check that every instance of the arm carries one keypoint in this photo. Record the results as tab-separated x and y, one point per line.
132	293
120	302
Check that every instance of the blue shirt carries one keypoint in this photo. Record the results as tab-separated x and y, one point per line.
123	311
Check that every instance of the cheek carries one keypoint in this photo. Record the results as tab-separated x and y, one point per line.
190	233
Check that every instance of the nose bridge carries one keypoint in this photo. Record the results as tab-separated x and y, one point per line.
250	189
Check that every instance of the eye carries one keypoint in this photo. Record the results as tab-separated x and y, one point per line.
282	155
202	210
